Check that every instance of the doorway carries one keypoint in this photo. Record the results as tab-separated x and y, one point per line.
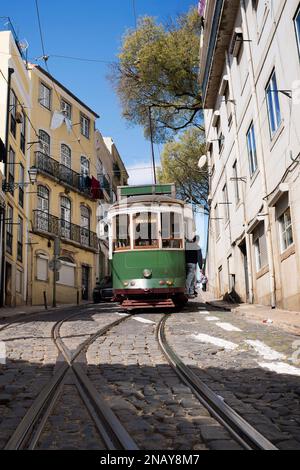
8	284
243	249
85	282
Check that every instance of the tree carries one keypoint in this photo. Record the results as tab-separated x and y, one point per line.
158	67
179	165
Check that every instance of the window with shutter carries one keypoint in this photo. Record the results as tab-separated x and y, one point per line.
67	274
41	268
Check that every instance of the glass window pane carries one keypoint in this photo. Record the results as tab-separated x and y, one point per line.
145	230
121	237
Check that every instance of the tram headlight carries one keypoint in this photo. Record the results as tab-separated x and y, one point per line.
162	283
170	283
147	273
125	284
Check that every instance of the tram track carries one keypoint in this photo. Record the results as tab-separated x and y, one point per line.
237	426
110	430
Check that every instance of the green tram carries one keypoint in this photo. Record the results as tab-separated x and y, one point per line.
147	228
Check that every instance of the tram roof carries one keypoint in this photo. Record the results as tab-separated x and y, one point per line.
155	198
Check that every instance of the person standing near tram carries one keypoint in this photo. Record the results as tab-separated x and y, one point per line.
193	256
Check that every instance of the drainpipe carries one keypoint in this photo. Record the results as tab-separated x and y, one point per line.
10	72
261	162
237	145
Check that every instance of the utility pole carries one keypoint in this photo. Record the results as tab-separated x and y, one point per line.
152	147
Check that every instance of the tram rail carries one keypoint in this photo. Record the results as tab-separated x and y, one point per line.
111	431
238	427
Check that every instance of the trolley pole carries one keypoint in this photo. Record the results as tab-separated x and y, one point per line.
152	147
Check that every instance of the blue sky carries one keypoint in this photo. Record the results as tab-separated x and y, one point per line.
92	29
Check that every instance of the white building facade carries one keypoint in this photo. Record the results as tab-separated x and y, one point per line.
250	78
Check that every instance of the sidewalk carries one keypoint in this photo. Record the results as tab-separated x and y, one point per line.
23	310
284	319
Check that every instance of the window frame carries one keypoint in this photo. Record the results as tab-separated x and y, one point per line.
252	149
84	168
42	98
236	182
152	246
64	157
13	101
11	169
9	228
21	186
65	224
116	239
226	202
48	137
85	125
297	30
67	114
85	231
284	229
20	239
23	134
172	239
273	104
260	263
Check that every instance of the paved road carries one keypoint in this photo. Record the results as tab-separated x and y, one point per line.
249	365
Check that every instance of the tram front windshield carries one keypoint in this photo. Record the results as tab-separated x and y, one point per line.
145	230
171	230
121	237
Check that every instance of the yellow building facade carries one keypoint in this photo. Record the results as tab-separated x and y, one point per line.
64	205
14	166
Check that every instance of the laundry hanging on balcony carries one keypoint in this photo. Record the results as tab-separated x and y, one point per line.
58	119
85	182
96	191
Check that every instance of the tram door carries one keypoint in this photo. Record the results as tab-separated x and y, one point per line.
85	282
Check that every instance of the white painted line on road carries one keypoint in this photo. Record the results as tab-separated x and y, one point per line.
265	351
122	314
211	318
227	326
215	341
280	368
204	312
143	320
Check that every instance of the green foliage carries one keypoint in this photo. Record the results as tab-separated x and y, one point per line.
158	67
179	165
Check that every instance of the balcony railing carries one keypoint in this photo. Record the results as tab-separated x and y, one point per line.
51	225
62	173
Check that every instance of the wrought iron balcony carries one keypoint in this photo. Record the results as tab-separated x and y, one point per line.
62	173
46	223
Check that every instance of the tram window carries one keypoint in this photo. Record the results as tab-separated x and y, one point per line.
121	238
145	230
171	229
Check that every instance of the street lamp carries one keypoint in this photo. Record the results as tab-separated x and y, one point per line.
9	186
32	172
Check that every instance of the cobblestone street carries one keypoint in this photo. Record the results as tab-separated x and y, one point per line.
252	366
